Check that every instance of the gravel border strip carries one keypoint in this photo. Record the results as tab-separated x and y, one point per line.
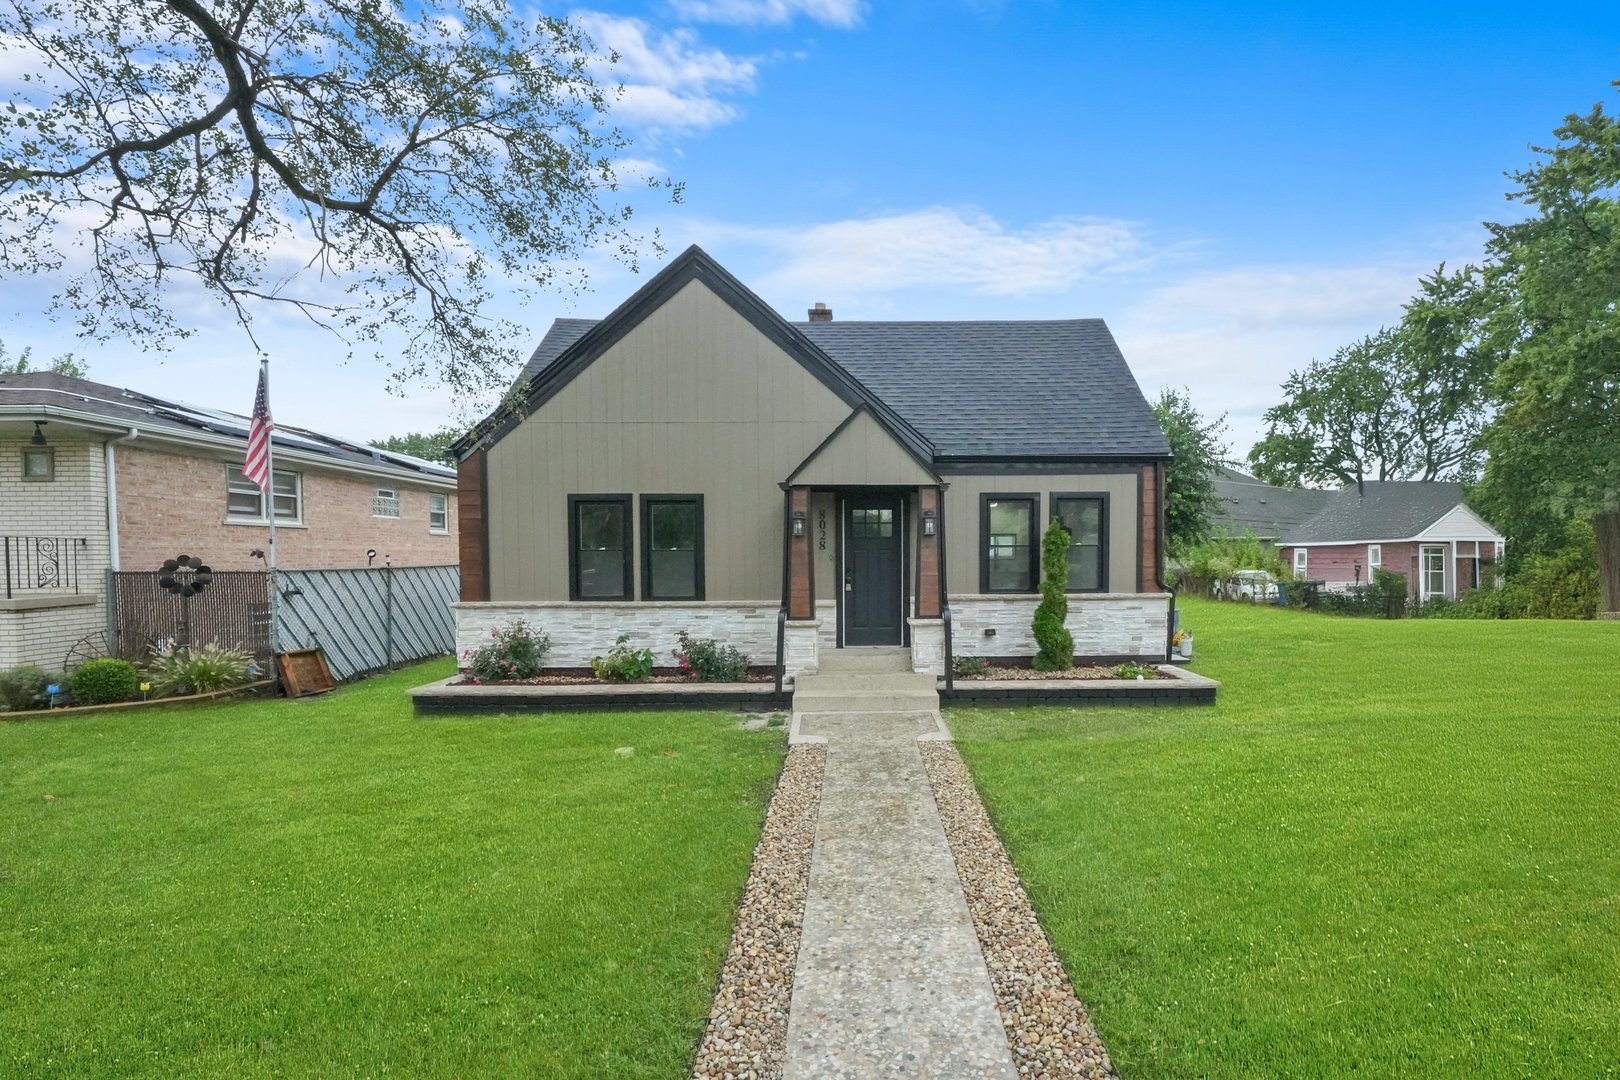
746	1037
1047	1026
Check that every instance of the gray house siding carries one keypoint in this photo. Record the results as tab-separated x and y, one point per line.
694	400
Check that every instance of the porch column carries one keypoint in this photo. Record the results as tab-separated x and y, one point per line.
801	590
929	586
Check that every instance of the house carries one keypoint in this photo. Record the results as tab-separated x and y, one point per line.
1418	529
96	478
1247	505
695	461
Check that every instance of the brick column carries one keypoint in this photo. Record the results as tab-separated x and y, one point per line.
929	591
801	594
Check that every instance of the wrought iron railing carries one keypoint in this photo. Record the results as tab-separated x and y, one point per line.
42	564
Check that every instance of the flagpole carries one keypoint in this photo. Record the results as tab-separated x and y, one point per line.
270	505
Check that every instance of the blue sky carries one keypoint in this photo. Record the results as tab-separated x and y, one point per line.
1236	190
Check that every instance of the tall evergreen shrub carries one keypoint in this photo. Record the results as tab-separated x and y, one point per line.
1055	641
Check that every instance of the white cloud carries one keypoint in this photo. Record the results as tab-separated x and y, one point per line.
672	81
843	13
1232	336
947	248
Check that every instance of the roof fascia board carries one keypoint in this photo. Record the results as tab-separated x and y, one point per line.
694	264
194	439
922	462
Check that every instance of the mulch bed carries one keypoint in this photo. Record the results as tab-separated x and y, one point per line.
1020	674
1047	1026
578	678
747	1031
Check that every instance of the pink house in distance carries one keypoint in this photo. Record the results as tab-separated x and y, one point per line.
1418	529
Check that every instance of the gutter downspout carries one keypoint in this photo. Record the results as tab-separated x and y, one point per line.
114	563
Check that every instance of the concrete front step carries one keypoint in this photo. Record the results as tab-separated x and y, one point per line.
871	659
865	691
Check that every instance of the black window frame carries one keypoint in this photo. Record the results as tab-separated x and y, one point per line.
1102	532
698	553
1033	498
625	503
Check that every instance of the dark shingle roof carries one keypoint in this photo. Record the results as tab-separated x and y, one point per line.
1247	504
46	389
1388	510
1057	388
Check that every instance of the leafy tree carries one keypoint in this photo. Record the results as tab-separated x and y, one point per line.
377	166
1198	448
429	446
1406	403
1555	444
66	364
1052	637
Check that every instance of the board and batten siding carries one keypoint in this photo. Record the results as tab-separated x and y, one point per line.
693	400
963	541
863	453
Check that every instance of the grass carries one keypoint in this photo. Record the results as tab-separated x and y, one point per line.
1390	850
330	887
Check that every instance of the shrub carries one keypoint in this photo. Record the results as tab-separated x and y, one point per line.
23	687
1055	641
706	661
197	670
969	667
516	652
622	663
101	682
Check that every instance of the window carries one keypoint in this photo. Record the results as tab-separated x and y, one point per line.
1375	560
385	501
438	512
599	547
1434	572
38	464
244	501
869	523
672	547
1086	518
1299	561
1007	525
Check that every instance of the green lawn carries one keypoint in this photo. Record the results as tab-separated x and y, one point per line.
330	887
1392	849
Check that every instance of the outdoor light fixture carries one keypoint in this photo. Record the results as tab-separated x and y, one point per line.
928	523
38	437
798	523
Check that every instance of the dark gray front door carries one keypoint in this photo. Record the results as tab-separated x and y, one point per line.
873	528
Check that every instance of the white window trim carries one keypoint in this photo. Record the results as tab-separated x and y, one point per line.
295	522
1301	561
1423	571
444	499
1375	560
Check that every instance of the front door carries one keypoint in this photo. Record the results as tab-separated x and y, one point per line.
1434	573
874	528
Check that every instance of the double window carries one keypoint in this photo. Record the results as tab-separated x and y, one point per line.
599	547
1010	559
245	502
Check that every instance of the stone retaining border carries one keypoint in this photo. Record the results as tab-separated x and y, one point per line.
747	1031
1047	1026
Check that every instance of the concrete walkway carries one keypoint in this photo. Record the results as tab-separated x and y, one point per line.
890	980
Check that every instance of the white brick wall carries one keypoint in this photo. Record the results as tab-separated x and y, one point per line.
1103	624
928	645
581	630
74	506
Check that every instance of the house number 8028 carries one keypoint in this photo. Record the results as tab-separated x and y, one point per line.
821	530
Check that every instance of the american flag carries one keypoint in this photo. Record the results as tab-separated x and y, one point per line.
257	467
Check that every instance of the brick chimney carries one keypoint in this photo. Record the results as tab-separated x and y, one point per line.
821	313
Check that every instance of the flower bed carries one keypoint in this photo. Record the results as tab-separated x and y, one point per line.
1011	673
582	677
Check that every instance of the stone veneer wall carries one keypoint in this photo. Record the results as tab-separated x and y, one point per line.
580	630
1103	624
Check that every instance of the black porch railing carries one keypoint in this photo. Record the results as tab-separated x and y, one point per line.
42	564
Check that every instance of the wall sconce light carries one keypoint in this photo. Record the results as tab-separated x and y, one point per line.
929	524
38	437
798	523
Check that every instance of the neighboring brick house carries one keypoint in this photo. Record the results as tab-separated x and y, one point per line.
1418	529
96	478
